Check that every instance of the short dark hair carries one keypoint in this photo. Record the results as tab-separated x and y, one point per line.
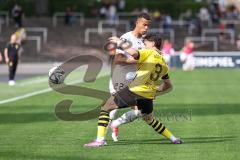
156	38
145	16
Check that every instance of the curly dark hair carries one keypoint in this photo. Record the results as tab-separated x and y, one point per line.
156	38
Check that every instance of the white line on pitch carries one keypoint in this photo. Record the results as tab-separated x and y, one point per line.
25	96
39	92
39	80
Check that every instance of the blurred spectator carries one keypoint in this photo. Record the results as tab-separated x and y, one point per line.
112	14
103	11
232	13
69	15
121	5
214	11
74	17
168	50
144	10
191	27
187	57
167	22
222	5
204	14
11	54
17	14
20	38
187	16
20	35
156	15
195	26
222	33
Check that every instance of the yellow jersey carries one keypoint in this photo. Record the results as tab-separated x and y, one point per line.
150	68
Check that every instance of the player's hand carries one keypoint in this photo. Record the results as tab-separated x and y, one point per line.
115	39
159	88
131	60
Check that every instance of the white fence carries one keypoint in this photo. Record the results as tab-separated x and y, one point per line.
171	32
205	39
215	30
96	30
230	21
63	14
118	22
42	30
179	23
38	41
6	17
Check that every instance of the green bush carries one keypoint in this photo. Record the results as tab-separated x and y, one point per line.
173	7
167	6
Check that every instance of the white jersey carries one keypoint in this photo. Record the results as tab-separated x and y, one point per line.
122	75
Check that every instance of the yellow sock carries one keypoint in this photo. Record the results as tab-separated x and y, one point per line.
161	129
166	133
101	132
102	125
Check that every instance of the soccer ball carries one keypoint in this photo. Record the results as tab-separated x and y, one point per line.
56	75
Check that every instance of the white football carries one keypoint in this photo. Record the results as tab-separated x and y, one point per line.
130	76
56	75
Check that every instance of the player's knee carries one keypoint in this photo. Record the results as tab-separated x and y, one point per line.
137	113
147	117
134	107
112	114
108	108
109	105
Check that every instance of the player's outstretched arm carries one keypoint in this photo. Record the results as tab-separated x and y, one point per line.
125	47
122	59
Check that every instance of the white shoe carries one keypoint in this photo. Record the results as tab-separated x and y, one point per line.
114	137
95	144
11	83
177	141
114	134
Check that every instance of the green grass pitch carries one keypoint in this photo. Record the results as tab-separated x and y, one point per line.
203	110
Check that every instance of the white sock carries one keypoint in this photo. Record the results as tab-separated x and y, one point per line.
172	138
100	139
126	118
112	114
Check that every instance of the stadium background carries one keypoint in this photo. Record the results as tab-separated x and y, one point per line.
203	109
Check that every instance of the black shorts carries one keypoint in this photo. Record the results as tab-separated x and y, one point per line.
125	98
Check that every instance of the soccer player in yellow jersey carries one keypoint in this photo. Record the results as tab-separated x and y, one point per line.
151	67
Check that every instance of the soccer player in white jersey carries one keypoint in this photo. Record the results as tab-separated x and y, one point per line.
125	68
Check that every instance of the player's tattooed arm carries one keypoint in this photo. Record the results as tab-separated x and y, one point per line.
165	87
